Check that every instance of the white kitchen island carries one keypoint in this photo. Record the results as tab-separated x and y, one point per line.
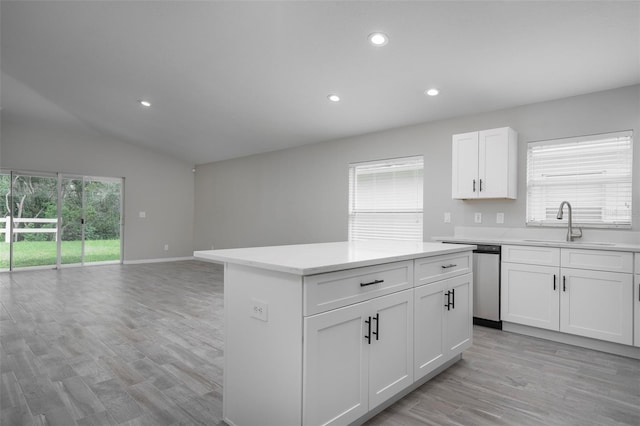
332	333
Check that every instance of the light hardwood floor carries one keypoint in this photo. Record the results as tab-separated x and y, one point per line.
143	345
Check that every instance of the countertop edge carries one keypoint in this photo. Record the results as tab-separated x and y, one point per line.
633	248
209	255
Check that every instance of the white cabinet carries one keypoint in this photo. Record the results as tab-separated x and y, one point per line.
636	303
484	164
356	357
581	292
330	342
443	317
597	304
529	295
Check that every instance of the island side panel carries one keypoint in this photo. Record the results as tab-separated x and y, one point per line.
263	356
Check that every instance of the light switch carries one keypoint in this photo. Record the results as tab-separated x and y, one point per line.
447	217
499	217
477	217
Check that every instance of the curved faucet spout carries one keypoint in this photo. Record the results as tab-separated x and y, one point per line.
571	235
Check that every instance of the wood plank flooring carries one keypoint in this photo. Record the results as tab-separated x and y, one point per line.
143	345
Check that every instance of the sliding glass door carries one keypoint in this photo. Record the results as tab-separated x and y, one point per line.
5	219
55	220
71	227
34	210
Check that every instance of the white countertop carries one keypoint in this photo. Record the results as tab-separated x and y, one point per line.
590	245
309	259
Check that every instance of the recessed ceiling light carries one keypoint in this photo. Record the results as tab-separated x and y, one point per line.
144	103
378	39
432	92
334	98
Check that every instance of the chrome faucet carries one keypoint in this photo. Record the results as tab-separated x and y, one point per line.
570	234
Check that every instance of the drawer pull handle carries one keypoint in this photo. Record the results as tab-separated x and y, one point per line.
371	283
554	282
451	265
564	283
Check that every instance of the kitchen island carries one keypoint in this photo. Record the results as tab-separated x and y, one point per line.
333	333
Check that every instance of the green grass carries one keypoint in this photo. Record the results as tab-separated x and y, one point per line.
37	253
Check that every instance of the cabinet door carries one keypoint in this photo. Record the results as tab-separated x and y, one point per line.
636	311
529	295
458	319
465	165
597	304
494	164
428	328
391	346
335	359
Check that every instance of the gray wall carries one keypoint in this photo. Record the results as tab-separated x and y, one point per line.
154	183
299	195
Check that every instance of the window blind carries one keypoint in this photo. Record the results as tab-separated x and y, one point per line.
385	199
593	173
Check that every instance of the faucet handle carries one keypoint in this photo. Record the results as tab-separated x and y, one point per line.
578	235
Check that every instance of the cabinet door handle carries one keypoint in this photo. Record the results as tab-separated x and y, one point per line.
451	265
371	283
554	282
453	298
564	283
480	185
448	305
368	335
377	320
474	185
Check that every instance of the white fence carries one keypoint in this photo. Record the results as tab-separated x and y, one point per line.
5	229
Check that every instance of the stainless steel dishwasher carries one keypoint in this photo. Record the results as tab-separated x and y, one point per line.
486	285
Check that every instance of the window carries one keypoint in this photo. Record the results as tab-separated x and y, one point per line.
385	199
593	173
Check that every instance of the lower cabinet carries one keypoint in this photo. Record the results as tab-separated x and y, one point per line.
584	302
597	304
443	322
530	295
356	357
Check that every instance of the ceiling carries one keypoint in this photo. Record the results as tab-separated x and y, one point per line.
229	79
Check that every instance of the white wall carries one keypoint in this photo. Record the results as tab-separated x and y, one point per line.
299	195
154	183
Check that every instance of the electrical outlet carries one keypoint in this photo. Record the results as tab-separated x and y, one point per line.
477	217
212	248
166	247
499	217
447	217
142	215
259	309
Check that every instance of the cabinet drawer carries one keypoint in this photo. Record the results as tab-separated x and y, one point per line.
599	260
531	255
333	290
430	269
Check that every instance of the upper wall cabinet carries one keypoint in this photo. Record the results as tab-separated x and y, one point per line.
485	164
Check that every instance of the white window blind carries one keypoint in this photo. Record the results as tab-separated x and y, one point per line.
593	173
385	199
